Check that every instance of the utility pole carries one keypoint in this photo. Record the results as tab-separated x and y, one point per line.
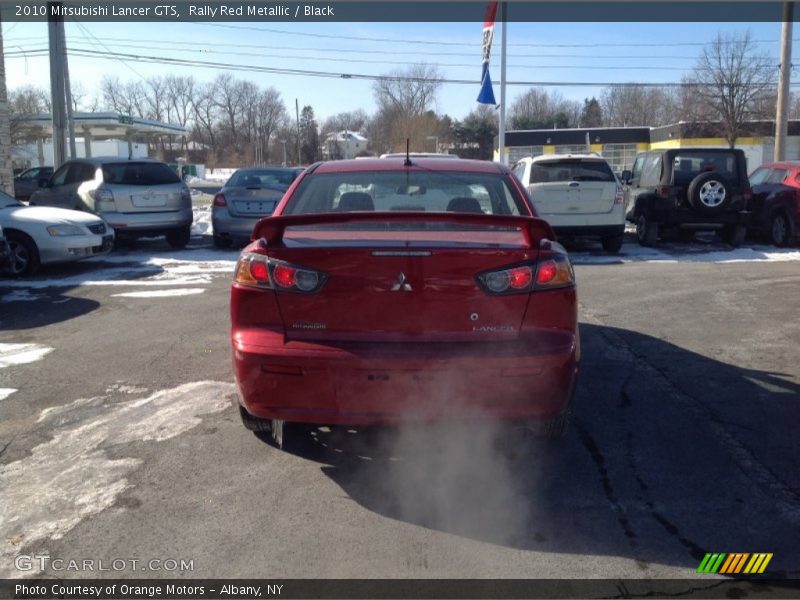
782	108
67	91
59	115
501	133
6	166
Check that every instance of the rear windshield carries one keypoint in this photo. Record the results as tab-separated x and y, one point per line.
139	173
477	193
687	167
570	170
263	178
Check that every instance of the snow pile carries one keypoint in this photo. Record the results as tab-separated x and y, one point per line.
697	253
201	225
20	354
219	174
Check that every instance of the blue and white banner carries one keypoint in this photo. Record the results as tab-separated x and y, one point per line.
486	95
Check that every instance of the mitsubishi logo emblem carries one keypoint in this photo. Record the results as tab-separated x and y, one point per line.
401	285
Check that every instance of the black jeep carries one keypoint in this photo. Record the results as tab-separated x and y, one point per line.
684	190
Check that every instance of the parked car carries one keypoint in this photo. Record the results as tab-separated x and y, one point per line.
444	299
39	235
137	197
247	196
776	201
688	189
577	194
30	180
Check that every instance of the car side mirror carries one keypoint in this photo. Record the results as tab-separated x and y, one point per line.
626	176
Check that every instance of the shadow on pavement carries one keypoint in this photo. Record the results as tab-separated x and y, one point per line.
671	454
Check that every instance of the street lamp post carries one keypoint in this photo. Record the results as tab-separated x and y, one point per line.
284	153
435	138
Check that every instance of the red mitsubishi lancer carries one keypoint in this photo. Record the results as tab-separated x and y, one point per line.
390	290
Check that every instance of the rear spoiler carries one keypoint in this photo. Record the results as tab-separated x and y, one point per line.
271	229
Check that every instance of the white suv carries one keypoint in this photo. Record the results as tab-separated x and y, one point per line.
577	194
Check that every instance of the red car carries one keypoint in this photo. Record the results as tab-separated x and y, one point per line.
776	201
392	290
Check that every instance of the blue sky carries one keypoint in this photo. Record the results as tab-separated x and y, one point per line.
608	52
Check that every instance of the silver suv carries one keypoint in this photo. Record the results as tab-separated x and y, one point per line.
137	197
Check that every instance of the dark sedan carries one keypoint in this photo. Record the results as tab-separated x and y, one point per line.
30	180
247	196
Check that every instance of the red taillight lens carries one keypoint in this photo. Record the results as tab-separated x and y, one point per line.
664	191
219	200
259	271
546	272
619	197
284	275
520	278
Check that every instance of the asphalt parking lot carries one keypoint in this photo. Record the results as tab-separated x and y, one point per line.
118	438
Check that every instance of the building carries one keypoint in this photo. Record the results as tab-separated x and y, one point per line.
619	145
343	144
96	134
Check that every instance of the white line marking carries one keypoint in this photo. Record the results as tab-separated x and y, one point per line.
161	293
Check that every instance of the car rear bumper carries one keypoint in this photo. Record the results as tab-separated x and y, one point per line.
146	223
226	225
363	384
71	248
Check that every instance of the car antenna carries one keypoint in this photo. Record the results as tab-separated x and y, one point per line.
408	162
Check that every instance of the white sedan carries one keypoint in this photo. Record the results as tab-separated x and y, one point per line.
39	235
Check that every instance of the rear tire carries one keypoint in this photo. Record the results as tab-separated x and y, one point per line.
612	243
223	243
178	238
735	235
780	230
254	423
646	231
24	259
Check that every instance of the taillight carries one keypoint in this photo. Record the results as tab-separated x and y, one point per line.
664	191
186	194
219	200
619	197
103	199
552	270
261	271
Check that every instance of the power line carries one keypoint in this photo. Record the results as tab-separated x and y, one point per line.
87	32
340	75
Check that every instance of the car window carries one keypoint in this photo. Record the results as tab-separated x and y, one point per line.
80	172
777	176
269	178
60	176
399	191
759	176
651	170
30	174
519	171
571	170
139	173
636	172
688	166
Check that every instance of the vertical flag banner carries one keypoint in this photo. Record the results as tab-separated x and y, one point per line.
486	95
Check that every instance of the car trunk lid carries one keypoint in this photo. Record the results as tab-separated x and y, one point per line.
409	277
143	187
252	201
572	187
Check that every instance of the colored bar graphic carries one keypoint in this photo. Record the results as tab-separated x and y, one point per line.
734	563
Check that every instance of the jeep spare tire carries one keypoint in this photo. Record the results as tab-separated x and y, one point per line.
709	193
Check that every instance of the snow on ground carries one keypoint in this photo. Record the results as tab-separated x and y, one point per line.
694	252
72	476
18	354
161	293
21	296
202	221
6	392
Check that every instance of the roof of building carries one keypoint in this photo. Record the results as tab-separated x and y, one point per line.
101	125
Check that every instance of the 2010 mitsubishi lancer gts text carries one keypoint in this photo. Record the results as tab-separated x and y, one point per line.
393	290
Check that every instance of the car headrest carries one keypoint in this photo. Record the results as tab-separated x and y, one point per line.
464	204
351	201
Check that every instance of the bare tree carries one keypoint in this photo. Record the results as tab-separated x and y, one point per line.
355	120
540	109
631	106
126	98
24	102
730	75
408	93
